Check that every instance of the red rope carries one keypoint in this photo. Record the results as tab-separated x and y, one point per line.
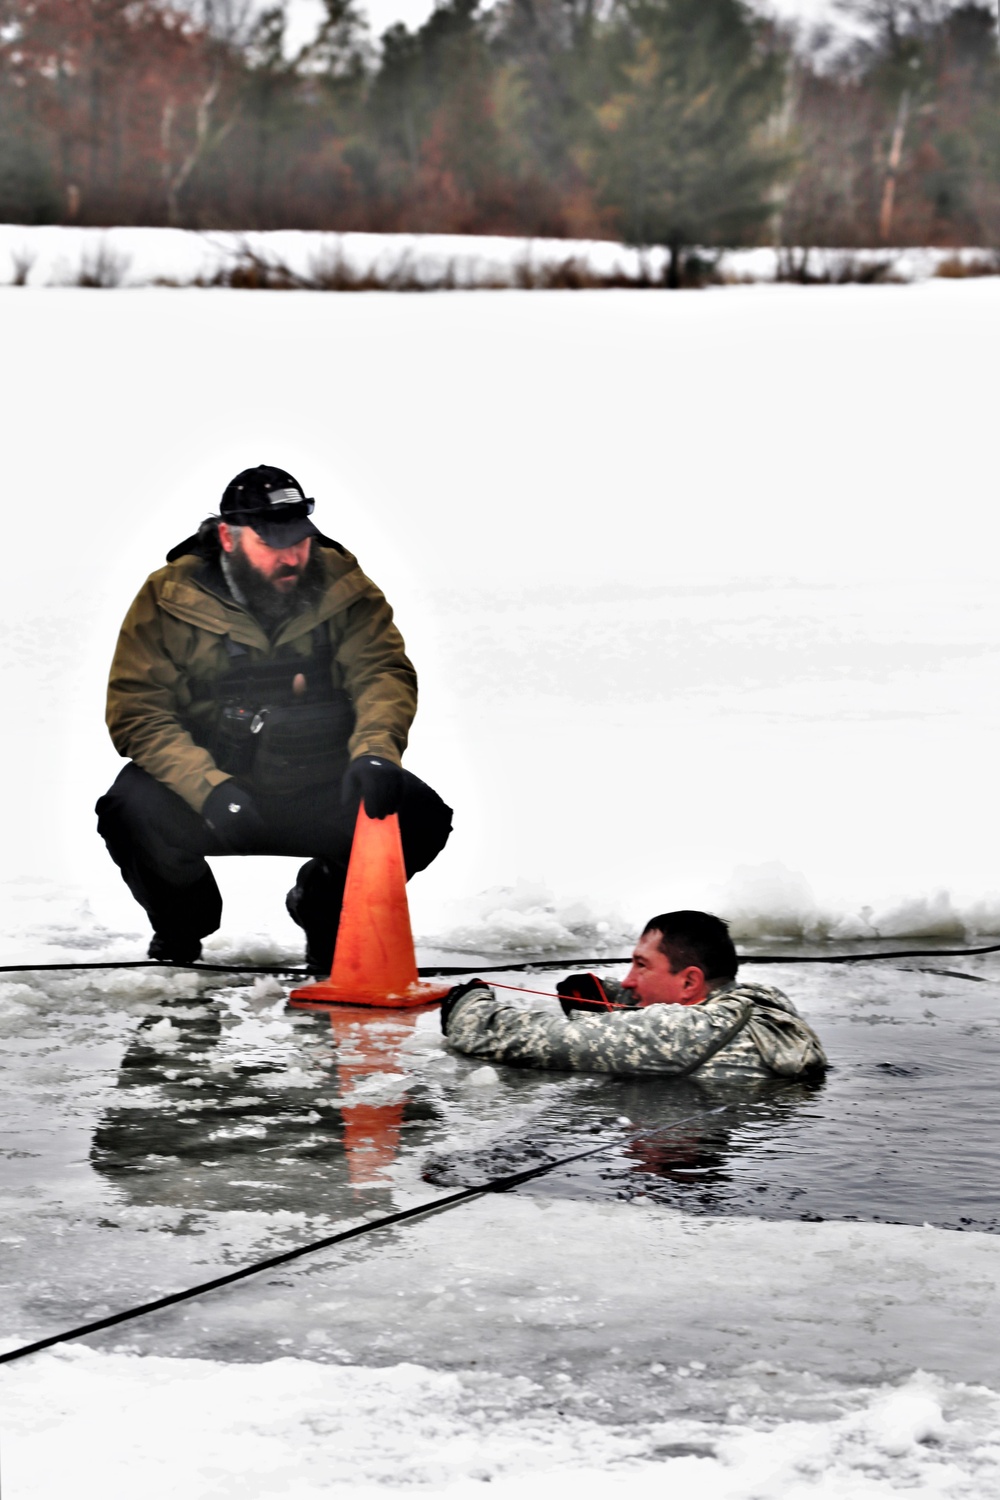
551	995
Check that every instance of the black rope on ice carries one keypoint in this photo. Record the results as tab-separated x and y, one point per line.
437	1205
156	963
857	958
446	971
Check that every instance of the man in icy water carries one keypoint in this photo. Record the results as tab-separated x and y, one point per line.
260	690
679	1010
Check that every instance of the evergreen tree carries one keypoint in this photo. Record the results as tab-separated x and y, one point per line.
549	67
682	152
957	162
432	109
27	185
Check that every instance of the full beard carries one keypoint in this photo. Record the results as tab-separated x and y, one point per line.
270	605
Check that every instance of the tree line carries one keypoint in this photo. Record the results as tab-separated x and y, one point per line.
668	122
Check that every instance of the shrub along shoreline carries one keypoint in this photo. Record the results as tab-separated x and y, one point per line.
302	260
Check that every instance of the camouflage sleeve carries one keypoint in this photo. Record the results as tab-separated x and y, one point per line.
656	1039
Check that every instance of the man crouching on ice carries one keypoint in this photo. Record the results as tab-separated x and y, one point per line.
679	1010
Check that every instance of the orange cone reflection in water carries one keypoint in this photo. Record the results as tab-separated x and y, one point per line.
374	963
368	1053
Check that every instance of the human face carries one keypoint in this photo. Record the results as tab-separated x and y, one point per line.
653	982
282	567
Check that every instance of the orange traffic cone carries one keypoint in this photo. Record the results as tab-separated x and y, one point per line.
366	1053
373	963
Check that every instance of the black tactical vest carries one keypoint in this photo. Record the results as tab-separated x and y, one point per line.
281	725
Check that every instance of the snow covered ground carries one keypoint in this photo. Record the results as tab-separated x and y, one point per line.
702	594
701	590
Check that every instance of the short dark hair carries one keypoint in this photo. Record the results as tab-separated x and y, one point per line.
698	938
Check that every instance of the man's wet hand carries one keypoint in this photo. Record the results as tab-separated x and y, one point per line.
378	781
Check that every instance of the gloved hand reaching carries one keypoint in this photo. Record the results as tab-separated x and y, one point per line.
378	781
231	814
458	993
583	992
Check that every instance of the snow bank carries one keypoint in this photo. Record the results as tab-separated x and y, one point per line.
762	903
529	918
60	255
771	901
766	903
103	1425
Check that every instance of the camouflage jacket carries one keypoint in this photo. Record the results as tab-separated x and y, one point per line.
740	1030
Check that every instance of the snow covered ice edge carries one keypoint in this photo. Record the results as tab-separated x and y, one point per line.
763	903
579	1387
301	1428
56	255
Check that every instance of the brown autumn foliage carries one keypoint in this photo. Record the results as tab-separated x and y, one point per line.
536	117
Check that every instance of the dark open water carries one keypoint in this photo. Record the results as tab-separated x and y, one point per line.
905	1128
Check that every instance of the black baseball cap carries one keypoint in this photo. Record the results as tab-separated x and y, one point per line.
272	502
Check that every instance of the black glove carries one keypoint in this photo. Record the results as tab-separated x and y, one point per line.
379	781
454	995
230	813
583	992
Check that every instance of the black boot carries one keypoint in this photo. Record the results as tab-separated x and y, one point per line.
314	903
174	948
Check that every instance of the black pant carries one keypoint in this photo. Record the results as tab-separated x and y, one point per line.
159	843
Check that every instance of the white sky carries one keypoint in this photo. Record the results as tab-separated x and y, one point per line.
305	14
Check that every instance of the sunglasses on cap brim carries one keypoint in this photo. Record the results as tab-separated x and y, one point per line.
278	512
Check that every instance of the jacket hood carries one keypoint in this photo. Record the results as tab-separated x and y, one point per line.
759	994
786	1043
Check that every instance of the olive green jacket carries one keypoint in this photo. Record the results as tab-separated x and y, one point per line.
172	644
